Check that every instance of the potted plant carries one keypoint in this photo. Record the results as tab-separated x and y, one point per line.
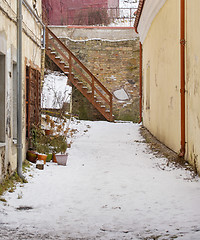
40	142
59	147
49	126
49	146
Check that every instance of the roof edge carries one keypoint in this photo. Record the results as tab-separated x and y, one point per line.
139	12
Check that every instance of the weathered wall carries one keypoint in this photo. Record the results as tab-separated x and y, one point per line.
84	33
8	50
192	82
116	64
82	108
161	78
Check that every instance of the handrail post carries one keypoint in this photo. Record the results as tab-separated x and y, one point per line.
92	87
70	67
47	38
111	103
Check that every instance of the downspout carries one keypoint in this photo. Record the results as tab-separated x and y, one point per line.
19	89
182	75
140	82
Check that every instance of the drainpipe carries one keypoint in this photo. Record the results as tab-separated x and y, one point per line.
140	82
182	75
19	89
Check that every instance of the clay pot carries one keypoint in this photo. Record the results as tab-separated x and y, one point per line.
42	157
54	158
48	132
31	156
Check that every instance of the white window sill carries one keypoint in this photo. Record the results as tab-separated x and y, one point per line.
2	144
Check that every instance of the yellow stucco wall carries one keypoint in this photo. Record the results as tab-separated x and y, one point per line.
161	76
193	82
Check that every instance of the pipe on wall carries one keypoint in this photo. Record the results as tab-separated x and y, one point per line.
140	82
19	89
182	75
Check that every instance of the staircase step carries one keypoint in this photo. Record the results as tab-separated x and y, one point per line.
68	73
62	62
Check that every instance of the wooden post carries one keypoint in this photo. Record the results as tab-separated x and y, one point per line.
92	87
70	68
111	103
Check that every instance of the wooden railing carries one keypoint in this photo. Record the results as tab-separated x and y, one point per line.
77	68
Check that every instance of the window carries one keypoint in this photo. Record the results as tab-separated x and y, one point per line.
2	98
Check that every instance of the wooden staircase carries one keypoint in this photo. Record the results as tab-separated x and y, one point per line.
79	75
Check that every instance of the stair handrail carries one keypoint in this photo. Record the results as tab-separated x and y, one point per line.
78	61
81	65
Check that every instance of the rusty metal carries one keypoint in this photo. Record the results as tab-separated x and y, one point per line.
84	73
182	73
33	99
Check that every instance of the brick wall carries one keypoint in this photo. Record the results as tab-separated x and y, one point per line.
116	65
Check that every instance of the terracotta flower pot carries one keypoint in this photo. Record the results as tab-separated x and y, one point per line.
54	158
42	157
48	132
31	156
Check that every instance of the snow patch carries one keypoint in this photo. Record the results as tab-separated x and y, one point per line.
121	95
55	90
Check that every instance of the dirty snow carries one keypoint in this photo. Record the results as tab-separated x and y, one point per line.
113	187
55	90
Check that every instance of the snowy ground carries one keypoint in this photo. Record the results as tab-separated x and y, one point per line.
112	188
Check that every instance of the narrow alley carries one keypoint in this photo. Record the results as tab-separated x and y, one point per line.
113	187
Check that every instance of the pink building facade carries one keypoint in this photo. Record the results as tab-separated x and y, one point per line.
65	12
